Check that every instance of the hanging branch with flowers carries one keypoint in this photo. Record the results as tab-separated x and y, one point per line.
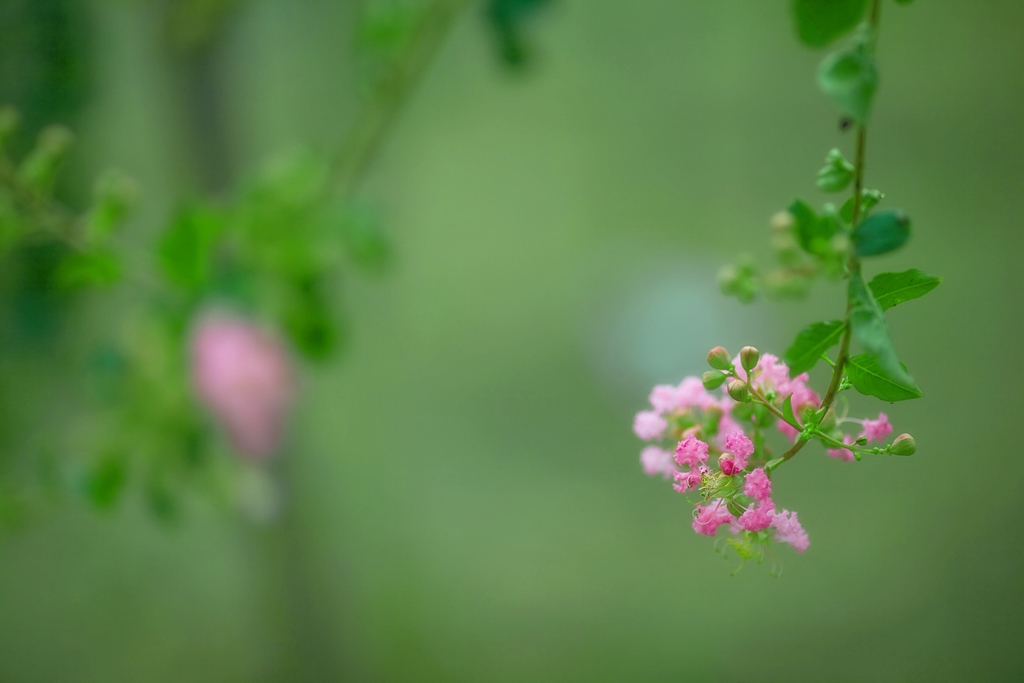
718	423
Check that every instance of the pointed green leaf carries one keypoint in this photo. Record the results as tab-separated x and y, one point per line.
185	251
869	328
868	378
819	22
881	233
891	289
849	77
787	410
813	232
811	343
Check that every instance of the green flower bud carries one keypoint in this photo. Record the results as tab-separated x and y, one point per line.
749	357
718	358
903	445
861	440
738	390
713	379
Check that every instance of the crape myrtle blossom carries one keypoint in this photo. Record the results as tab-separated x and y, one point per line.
244	376
710	438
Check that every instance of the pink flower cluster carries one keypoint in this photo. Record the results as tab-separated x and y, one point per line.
771	377
244	376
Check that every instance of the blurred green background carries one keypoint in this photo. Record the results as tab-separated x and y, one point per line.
463	496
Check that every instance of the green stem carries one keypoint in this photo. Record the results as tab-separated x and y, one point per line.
853	263
376	118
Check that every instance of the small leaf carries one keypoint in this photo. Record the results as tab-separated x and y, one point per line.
787	410
850	78
837	173
868	378
881	233
813	232
868	200
185	252
811	343
819	22
891	289
88	269
106	481
870	330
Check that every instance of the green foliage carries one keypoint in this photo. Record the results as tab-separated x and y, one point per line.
837	174
849	77
115	194
881	233
872	332
39	169
813	341
185	252
105	482
814	232
819	22
868	378
892	289
869	199
99	268
507	18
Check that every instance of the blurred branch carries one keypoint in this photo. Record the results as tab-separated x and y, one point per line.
376	118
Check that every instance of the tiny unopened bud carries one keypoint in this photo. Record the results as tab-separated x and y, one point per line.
782	221
861	440
738	390
903	445
718	358
713	379
728	465
749	357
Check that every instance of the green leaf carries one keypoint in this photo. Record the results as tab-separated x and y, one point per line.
881	233
850	78
891	289
819	22
868	200
836	174
787	410
870	330
813	232
106	481
88	269
868	378
811	343
185	252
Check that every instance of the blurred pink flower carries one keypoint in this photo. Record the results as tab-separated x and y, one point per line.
788	530
244	375
877	430
656	461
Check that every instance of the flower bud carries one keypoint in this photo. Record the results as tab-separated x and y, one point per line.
728	465
718	358
749	357
738	390
713	379
903	445
861	440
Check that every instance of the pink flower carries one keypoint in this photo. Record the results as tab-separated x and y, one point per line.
729	465
710	517
758	517
688	481
657	461
691	392
877	430
802	394
649	425
788	530
691	451
758	486
740	446
843	453
244	376
664	398
787	429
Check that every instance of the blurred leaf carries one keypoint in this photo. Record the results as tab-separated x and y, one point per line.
811	343
868	200
88	269
106	481
309	321
185	251
115	193
507	18
850	78
363	239
881	233
819	22
891	289
868	378
10	119
870	329
39	168
837	173
161	502
813	232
